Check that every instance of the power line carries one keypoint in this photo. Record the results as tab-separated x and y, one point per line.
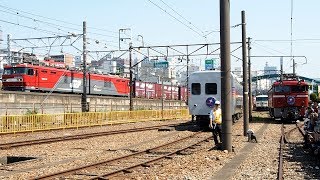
53	24
53	19
176	18
287	40
266	47
34	28
181	16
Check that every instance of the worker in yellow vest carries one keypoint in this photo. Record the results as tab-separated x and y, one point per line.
215	123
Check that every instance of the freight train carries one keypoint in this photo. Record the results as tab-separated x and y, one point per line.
288	98
27	77
205	89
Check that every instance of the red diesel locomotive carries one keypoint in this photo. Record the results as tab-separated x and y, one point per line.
26	77
288	98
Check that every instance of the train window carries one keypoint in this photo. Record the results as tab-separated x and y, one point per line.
19	70
196	88
211	88
299	88
30	72
7	71
107	84
282	89
65	79
44	71
53	72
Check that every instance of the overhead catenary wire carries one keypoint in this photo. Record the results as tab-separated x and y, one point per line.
182	16
29	27
54	25
176	18
56	20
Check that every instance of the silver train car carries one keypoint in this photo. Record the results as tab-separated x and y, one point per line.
204	89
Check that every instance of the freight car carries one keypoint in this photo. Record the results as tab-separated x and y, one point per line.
288	98
26	77
205	89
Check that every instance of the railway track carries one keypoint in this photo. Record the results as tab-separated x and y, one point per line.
293	158
81	136
123	164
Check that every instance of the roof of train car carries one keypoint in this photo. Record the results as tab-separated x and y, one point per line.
289	82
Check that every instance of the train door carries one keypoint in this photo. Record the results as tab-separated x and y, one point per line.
31	79
36	78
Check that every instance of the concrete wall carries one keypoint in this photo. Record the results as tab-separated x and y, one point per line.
25	102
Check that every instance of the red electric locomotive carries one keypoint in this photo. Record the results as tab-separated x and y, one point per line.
27	77
288	98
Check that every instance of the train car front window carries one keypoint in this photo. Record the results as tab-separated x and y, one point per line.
196	88
299	88
19	70
211	88
262	99
282	89
7	71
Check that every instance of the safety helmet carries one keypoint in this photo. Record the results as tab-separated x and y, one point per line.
217	103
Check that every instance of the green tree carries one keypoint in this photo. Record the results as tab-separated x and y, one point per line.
313	97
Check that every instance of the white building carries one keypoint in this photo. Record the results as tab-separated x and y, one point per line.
157	71
270	69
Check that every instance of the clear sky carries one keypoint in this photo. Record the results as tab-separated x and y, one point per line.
266	20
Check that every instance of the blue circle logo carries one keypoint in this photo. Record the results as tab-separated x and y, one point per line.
210	102
290	100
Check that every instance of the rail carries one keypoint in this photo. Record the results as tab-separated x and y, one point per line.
280	165
40	122
130	161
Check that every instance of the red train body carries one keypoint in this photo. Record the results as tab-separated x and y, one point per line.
288	99
27	77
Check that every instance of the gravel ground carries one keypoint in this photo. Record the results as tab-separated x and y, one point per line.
262	163
202	164
298	163
62	155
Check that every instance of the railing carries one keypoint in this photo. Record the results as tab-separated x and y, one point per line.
39	122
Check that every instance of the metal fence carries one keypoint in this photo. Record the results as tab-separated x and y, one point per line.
39	122
51	108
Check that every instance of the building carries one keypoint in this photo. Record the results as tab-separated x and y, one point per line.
270	69
18	57
182	76
67	59
238	72
157	71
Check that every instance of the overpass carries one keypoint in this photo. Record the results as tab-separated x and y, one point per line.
275	76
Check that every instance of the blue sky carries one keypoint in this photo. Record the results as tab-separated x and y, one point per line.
266	20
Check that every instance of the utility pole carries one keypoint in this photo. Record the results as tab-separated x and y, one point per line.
130	74
281	68
225	75
250	80
187	95
9	49
162	93
245	75
84	66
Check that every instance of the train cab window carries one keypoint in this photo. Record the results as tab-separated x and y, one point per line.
19	70
282	89
299	88
30	72
196	88
211	88
7	71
